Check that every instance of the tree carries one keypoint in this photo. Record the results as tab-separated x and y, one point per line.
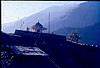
74	37
27	28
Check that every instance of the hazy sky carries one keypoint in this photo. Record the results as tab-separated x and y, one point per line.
14	10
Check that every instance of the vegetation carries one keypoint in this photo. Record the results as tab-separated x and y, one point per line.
74	37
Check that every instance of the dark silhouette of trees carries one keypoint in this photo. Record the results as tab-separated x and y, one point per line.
27	28
74	36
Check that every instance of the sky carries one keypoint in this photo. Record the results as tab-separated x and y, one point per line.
15	10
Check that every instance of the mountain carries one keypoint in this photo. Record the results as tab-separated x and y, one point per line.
82	15
42	16
86	14
89	35
83	18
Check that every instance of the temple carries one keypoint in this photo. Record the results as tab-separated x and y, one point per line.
38	28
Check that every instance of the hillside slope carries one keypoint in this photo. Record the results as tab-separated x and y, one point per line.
82	15
88	34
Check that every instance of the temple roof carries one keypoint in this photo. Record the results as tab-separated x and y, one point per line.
38	25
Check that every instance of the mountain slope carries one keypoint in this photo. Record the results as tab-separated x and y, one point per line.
42	16
88	34
64	19
85	14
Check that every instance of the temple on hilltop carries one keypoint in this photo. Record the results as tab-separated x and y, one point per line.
38	27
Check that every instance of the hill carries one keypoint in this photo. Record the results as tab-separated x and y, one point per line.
42	16
89	35
82	15
66	18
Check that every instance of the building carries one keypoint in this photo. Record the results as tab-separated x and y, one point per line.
38	28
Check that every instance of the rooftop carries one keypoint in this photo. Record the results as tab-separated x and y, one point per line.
28	50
